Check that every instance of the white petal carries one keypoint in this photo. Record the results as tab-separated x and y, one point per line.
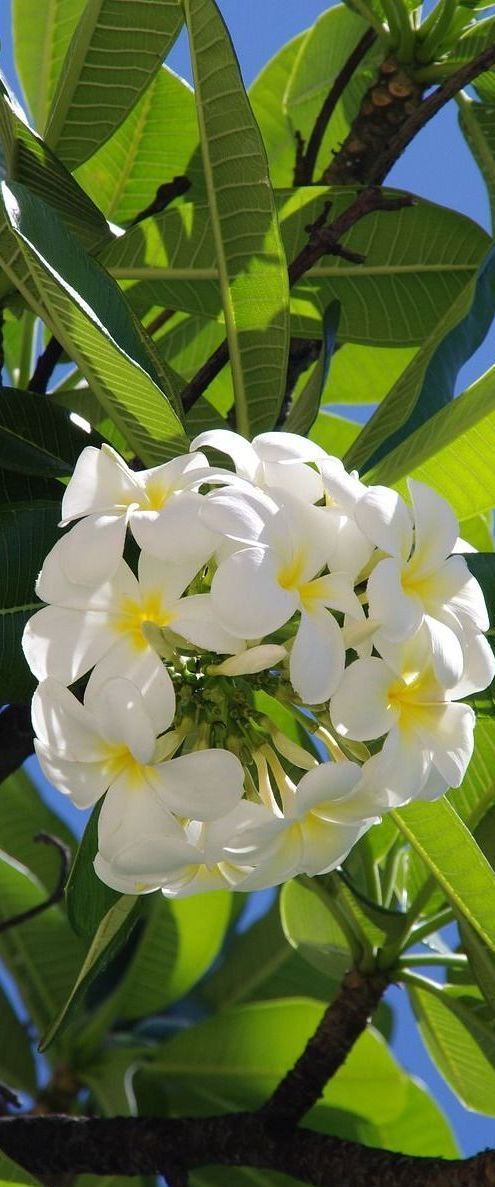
330	781
53	584
360	707
92	550
435	527
479	666
292	478
345	490
335	590
101	482
447	730
447	655
253	659
175	533
467	599
177	474
396	775
286	447
64	643
247	597
205	784
146	671
167	579
327	844
122	718
126	884
231	514
384	517
400	613
195	619
351	550
137	831
61	722
242	453
84	782
317	658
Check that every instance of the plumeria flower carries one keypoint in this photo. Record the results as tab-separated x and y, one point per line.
351	548
81	626
401	697
420	582
109	745
270	460
159	505
195	862
278	572
312	832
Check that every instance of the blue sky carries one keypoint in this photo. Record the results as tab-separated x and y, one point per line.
438	166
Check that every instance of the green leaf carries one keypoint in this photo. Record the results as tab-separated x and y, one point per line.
109	1081
451	854
311	928
235	1060
181	940
112	933
90	317
123	176
250	257
421	263
43	954
261	963
89	103
477	122
304	410
364	374
23	814
42	33
27	533
334	433
88	899
11	1173
453	452
324	51
265	97
460	1039
37	437
17	1067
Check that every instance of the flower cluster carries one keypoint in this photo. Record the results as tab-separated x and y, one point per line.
235	637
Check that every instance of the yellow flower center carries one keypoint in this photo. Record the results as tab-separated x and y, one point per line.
117	758
132	615
157	494
289	576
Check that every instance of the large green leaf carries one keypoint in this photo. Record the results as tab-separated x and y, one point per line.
26	535
17	1067
458	1033
261	964
13	1174
453	452
181	940
88	899
325	50
114	930
113	55
304	410
90	317
42	954
334	433
145	151
365	374
23	814
234	1061
457	863
421	263
250	257
477	122
311	928
37	437
265	97
42	33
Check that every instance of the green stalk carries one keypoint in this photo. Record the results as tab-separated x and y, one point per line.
453	960
428	44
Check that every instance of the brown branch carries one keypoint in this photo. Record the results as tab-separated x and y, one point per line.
427	109
151	1145
165	194
342	1024
45	366
323	240
57	892
306	157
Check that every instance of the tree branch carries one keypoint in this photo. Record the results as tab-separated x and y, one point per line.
16	738
165	194
306	157
57	892
342	1024
323	240
152	1145
45	366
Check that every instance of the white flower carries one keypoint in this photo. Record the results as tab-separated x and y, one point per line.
271	460
400	696
260	586
420	582
159	505
109	744
82	625
351	548
319	822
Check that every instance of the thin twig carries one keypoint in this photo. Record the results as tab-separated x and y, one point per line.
165	194
57	892
45	366
151	1145
306	157
427	109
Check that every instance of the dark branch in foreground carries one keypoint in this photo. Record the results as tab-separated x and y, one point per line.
57	892
306	156
16	738
45	366
151	1145
165	194
342	1024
